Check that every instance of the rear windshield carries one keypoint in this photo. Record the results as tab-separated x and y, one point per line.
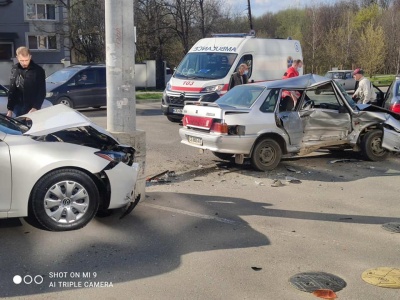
241	96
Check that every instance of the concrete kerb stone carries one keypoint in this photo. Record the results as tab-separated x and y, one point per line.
136	139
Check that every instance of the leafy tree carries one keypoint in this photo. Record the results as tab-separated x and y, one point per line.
372	49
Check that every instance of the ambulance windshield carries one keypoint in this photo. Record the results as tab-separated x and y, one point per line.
205	65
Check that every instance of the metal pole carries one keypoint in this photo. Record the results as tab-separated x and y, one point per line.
250	19
120	63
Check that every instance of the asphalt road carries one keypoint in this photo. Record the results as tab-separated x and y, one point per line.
217	230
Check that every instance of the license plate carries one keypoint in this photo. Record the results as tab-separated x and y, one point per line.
194	140
177	110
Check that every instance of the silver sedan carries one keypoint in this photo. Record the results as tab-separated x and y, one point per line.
60	169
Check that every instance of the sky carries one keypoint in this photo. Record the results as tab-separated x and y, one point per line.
260	7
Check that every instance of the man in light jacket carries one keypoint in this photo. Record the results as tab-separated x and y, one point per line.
365	91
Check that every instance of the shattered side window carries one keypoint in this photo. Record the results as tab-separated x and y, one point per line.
270	102
323	97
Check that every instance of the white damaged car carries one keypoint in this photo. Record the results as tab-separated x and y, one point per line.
296	116
60	168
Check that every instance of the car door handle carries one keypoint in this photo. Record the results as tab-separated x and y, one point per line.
284	117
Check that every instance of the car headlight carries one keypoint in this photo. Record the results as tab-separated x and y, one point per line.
114	156
168	87
49	94
213	88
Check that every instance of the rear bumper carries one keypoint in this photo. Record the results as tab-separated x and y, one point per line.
234	144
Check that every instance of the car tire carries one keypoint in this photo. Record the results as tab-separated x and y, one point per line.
266	155
53	205
223	156
66	101
173	120
371	146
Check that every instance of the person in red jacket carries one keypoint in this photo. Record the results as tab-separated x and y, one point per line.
293	71
289	98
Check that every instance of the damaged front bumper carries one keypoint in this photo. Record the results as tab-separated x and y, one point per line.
123	180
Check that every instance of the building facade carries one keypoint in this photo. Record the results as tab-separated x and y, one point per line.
36	24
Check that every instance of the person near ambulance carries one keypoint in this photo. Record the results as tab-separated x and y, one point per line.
365	91
239	77
289	98
293	71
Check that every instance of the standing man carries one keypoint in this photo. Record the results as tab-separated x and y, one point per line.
239	77
293	71
27	85
365	91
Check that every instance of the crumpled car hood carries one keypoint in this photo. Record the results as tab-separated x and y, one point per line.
374	108
57	118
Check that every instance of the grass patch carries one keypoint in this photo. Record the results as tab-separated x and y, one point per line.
148	95
382	80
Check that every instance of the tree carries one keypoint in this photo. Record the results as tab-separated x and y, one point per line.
372	49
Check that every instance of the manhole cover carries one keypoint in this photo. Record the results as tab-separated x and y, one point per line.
311	281
393	227
383	277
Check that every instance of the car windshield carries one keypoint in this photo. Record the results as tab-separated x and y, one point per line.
204	65
61	76
329	75
12	126
241	96
347	96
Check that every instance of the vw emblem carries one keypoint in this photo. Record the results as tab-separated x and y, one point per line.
197	111
182	95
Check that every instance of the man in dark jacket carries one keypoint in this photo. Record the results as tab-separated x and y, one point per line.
239	77
27	85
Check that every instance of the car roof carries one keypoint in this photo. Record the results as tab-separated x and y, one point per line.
87	66
300	82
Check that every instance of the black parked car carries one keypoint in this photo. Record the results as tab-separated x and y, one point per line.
78	86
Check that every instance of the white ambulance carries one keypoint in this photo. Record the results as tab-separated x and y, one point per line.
209	64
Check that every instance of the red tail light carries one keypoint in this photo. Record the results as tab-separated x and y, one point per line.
220	127
395	108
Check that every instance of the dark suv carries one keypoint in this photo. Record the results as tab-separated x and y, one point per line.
78	86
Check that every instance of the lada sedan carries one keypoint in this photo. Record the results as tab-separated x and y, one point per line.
296	116
60	168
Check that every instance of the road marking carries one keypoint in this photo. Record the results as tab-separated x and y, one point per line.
189	213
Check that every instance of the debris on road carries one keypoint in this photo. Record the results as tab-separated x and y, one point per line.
277	183
162	177
292	179
259	183
344	160
256	268
291	169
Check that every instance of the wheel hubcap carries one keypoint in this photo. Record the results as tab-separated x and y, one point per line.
376	147
66	202
65	102
267	154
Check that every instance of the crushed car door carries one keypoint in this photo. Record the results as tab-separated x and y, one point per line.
325	119
5	182
288	118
